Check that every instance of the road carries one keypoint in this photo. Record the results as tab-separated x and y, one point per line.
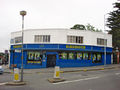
90	80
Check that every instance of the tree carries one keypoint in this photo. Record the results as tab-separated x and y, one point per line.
92	28
79	27
113	22
85	27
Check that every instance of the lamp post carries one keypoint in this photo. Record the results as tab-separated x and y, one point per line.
105	43
22	13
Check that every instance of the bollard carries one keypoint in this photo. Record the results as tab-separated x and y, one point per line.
16	74
56	78
16	81
57	72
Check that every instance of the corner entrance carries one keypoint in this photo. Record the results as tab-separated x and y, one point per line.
51	60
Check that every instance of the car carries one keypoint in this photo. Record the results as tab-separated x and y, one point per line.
1	70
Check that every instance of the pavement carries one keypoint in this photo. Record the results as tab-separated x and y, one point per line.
64	70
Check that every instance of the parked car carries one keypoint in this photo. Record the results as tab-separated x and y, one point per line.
1	70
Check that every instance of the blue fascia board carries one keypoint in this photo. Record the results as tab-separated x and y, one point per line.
61	47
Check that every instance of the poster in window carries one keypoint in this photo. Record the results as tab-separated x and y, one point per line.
30	55
71	56
60	55
64	55
79	56
34	58
85	56
94	57
98	57
37	56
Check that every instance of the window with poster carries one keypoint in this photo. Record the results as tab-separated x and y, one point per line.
71	55
86	56
34	57
94	58
97	57
79	56
62	55
30	55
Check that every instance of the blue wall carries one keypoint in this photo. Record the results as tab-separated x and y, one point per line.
15	57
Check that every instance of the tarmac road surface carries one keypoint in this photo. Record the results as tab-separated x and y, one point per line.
90	80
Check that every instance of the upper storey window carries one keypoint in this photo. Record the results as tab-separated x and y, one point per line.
12	41
74	39
18	39
42	38
101	41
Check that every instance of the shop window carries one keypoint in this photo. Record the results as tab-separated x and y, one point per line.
97	57
34	57
79	56
86	56
94	58
75	56
63	55
30	55
71	56
89	56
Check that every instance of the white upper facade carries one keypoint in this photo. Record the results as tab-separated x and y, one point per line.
60	36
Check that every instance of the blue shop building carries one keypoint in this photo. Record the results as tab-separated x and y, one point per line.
43	48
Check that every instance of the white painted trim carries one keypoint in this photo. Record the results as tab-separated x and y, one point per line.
77	80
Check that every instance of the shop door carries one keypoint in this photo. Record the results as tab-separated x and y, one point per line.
51	60
17	59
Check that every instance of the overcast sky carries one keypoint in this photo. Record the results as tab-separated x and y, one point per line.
50	14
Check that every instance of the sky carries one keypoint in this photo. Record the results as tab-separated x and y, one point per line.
50	14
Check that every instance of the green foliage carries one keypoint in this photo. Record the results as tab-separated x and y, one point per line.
85	27
114	24
79	27
92	28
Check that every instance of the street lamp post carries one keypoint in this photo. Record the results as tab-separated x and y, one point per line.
22	13
105	43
